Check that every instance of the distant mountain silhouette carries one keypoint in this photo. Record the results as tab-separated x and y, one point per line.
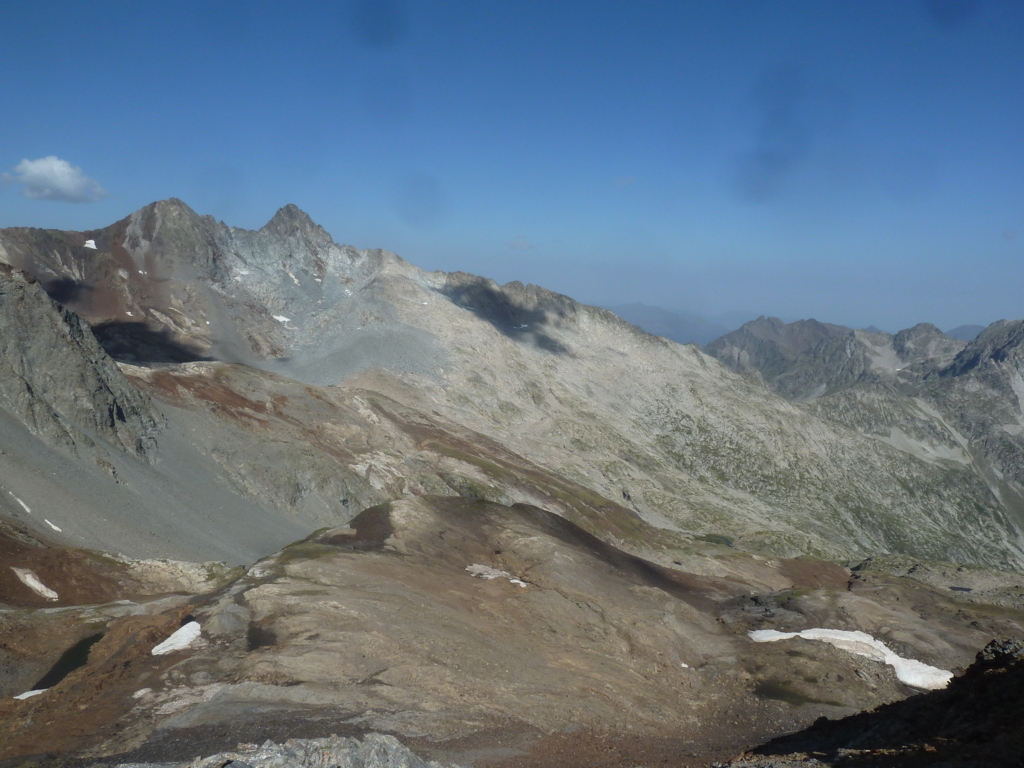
681	327
965	332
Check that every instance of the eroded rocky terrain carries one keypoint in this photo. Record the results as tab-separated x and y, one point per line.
505	527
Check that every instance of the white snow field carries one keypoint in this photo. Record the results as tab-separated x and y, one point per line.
32	581
182	638
909	671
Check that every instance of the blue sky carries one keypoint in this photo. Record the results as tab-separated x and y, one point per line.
857	162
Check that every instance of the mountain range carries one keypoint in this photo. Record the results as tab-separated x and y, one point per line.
465	513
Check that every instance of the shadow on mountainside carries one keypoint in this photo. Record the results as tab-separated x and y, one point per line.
66	291
511	318
138	343
974	722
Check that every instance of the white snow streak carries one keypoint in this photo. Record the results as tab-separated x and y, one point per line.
23	504
181	639
281	318
32	581
51	525
486	572
90	244
30	694
909	671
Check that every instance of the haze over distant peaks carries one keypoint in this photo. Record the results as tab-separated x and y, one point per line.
460	504
681	327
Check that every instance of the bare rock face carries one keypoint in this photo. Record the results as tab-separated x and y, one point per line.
373	751
55	378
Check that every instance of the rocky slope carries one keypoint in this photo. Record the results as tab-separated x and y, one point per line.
535	520
919	391
663	430
972	723
461	626
87	458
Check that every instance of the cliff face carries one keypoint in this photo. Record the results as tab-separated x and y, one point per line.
55	378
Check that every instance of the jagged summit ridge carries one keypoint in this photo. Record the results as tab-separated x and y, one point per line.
807	359
688	444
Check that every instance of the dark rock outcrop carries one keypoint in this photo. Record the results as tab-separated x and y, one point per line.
974	722
55	378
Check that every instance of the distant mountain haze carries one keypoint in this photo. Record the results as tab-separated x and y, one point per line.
683	328
667	432
468	514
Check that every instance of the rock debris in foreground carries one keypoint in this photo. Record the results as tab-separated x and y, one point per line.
374	751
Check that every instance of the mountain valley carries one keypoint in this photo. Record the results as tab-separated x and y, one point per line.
505	527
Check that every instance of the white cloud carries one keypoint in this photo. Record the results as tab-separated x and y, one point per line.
50	178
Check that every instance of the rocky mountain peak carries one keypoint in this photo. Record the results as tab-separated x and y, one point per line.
926	344
292	221
165	233
166	215
1002	340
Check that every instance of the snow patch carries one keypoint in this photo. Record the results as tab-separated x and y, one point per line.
90	244
51	525
294	278
30	694
909	671
23	504
281	318
180	640
32	581
486	572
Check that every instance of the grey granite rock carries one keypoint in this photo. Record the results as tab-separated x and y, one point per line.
374	751
55	378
